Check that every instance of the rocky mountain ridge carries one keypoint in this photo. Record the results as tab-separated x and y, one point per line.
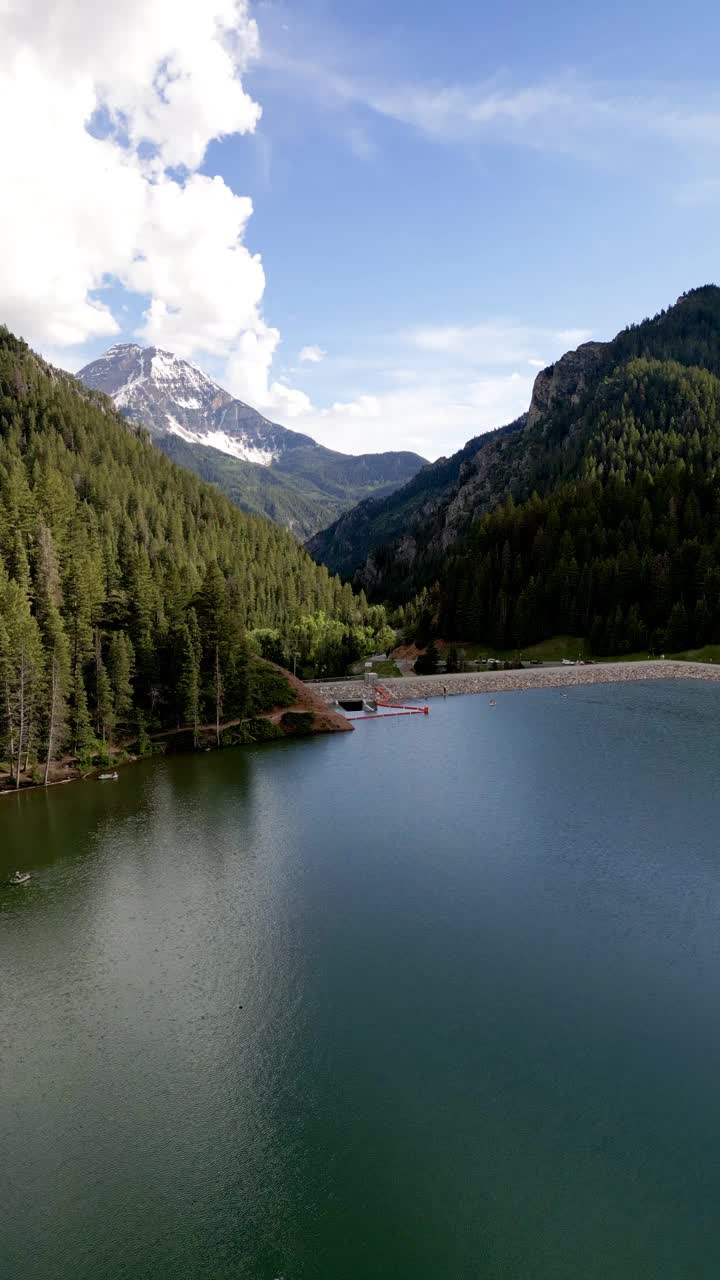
262	466
169	395
391	547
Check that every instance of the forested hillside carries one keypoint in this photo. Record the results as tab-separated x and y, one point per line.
406	543
628	553
381	533
132	595
304	490
596	515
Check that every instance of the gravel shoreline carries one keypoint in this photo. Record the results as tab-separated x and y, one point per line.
420	687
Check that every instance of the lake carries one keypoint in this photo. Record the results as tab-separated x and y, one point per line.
436	1000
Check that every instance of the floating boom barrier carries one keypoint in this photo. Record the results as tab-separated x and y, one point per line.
383	698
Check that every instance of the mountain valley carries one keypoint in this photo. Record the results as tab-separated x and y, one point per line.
263	467
596	513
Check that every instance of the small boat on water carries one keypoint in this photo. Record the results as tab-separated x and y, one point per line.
20	877
108	777
493	703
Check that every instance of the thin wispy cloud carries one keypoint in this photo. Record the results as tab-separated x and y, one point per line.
494	343
555	113
561	113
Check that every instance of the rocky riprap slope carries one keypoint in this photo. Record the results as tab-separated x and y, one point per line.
423	687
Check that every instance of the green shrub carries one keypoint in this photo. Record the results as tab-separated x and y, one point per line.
297	722
263	730
268	688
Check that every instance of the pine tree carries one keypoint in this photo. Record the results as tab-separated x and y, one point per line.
104	704
84	742
676	637
57	679
121	663
23	674
427	663
213	620
189	682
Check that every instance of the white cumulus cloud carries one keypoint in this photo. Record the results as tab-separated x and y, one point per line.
312	355
112	109
436	416
364	407
247	374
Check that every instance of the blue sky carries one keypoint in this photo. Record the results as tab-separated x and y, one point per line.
443	199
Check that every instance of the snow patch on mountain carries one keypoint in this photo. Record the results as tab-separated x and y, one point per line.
125	395
169	395
223	442
226	444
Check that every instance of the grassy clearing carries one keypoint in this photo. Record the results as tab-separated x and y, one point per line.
552	650
387	668
559	647
708	653
384	668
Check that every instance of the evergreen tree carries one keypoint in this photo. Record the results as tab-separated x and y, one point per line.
121	665
23	674
676	637
427	663
104	704
84	743
189	680
452	662
57	680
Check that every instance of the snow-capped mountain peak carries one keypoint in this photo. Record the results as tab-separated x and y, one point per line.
171	396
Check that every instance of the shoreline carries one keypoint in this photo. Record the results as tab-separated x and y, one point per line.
320	698
422	687
324	720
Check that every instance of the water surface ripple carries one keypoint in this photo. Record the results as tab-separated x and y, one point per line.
437	1000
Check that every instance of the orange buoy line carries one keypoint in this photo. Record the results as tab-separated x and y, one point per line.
382	698
401	711
401	706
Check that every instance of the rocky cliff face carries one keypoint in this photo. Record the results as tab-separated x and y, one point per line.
380	543
566	380
396	546
427	511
